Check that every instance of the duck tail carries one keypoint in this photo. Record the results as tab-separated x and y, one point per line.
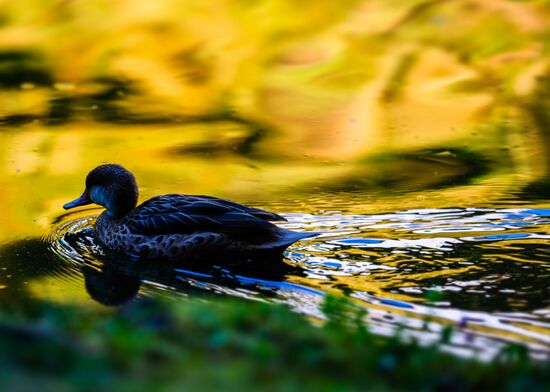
284	238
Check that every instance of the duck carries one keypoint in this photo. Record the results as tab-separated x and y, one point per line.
176	226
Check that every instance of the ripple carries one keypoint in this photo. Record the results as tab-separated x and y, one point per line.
73	241
400	260
403	267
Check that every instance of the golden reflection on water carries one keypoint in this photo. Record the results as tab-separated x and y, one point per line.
334	107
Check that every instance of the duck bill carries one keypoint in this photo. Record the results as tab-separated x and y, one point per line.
83	200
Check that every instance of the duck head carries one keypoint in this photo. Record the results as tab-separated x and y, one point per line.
110	186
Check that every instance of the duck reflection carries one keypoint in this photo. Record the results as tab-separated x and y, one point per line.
108	286
115	281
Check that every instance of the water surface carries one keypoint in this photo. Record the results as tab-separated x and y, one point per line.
413	136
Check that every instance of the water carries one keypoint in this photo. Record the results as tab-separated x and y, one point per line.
441	245
484	271
414	137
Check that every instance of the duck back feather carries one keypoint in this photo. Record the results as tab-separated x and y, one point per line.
184	214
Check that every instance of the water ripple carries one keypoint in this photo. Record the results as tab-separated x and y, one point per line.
484	271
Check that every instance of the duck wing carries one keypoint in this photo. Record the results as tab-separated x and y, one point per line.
182	214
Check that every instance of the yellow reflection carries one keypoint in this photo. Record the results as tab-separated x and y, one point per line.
355	106
59	291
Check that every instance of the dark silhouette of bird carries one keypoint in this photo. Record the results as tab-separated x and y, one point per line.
176	226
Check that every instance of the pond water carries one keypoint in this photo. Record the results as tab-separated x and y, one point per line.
421	157
479	264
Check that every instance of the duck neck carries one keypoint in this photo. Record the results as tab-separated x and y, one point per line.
121	209
118	201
